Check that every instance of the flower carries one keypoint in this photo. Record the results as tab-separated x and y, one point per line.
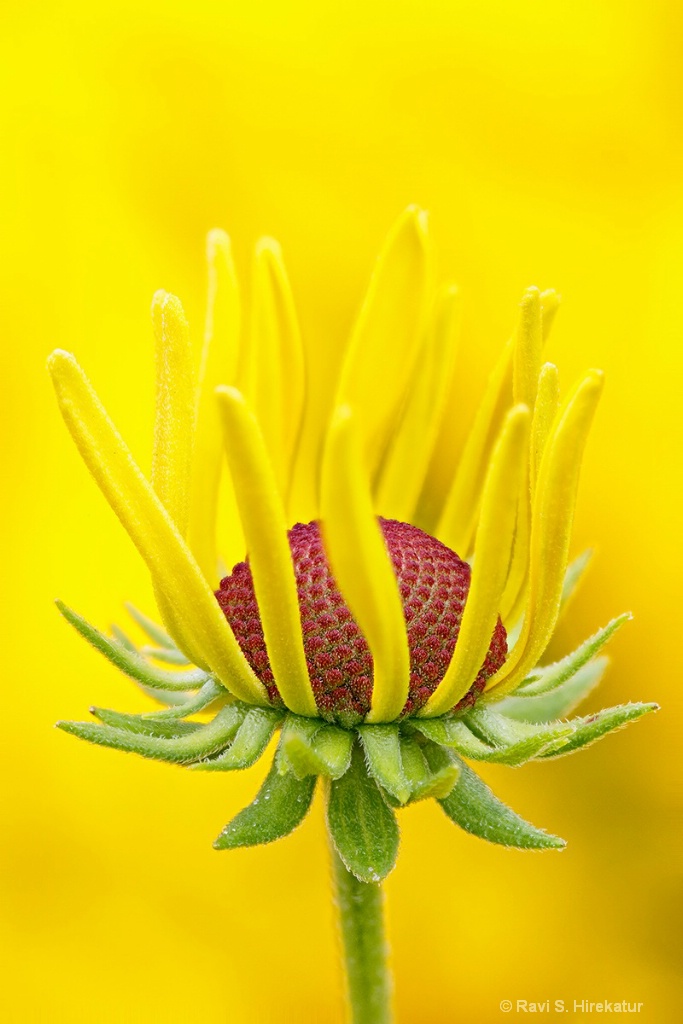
395	637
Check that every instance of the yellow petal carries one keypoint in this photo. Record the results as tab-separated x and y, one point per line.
270	557
458	518
550	303
218	366
545	411
406	464
174	571
553	513
362	567
527	355
383	348
274	377
175	409
492	550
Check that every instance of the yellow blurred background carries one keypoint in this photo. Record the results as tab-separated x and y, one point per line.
546	140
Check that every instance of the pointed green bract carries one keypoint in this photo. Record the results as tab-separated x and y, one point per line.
383	754
210	692
554	675
593	727
170	656
152	629
310	747
473	807
510	748
145	726
253	736
423	781
206	740
130	663
362	826
558	702
574	575
280	805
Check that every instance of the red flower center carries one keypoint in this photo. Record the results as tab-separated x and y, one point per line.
433	582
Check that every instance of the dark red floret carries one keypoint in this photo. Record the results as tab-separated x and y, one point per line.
433	583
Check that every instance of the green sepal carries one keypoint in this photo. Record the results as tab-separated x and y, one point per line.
593	727
425	782
382	748
362	826
279	806
131	663
558	702
319	749
210	692
171	655
505	745
152	629
123	638
473	807
145	726
250	742
574	575
518	742
206	740
551	676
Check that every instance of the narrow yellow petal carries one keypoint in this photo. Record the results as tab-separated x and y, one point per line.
527	355
492	551
404	469
458	518
174	571
550	303
361	566
175	409
270	558
381	356
218	366
274	377
545	411
553	513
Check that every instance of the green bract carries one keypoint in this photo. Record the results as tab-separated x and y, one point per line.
368	772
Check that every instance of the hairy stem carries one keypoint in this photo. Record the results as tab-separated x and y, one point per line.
365	949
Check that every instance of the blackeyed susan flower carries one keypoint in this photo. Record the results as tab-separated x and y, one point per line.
395	637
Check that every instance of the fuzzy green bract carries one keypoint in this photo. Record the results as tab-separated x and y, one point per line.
368	772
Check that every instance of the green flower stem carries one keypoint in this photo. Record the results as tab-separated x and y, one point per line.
361	917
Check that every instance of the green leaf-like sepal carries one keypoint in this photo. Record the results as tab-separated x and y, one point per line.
362	826
251	740
210	692
129	662
509	747
383	754
153	630
280	805
551	676
145	726
310	747
558	702
518	742
593	727
473	807
423	780
206	740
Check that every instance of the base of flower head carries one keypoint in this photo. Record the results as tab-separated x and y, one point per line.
371	770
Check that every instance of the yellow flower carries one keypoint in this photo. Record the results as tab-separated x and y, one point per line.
365	619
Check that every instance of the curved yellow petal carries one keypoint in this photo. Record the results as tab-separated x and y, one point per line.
526	362
383	347
553	513
218	366
274	379
405	466
492	551
362	568
545	411
175	409
174	571
270	557
458	518
550	303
